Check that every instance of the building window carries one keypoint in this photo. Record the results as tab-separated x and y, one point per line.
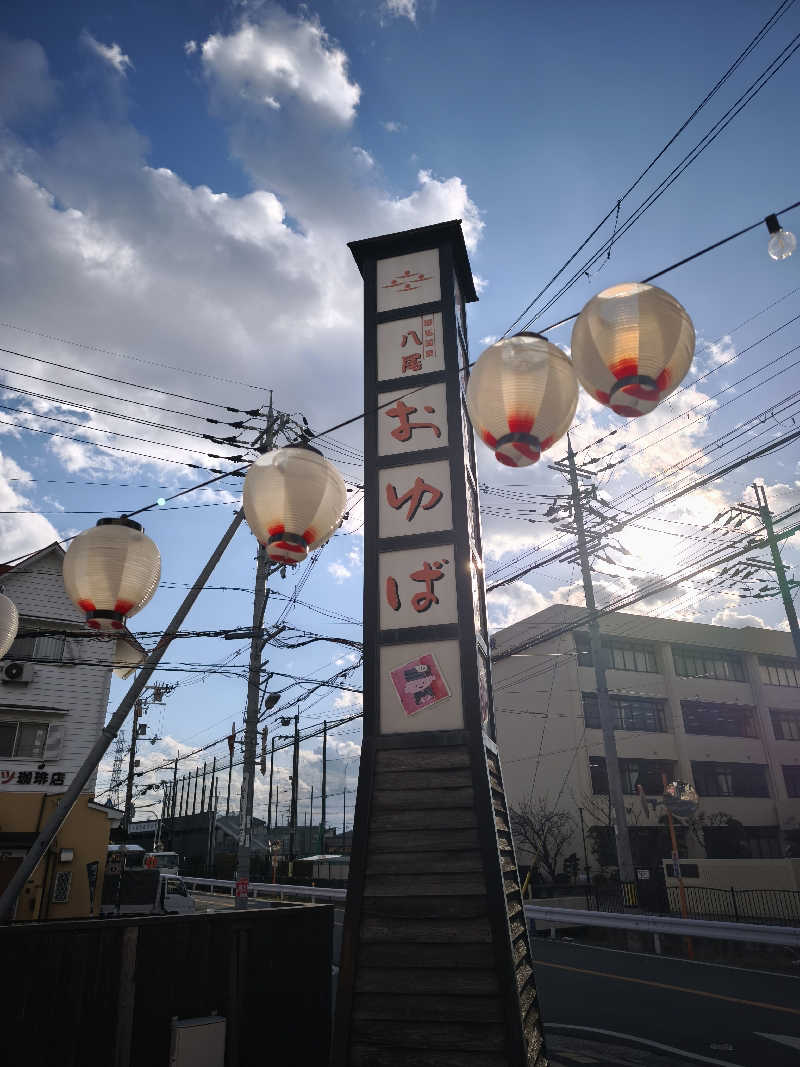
23	740
785	724
719	720
736	842
708	663
730	779
61	887
622	655
630	713
779	671
791	775
645	772
44	649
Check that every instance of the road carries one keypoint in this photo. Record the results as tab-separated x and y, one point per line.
698	1012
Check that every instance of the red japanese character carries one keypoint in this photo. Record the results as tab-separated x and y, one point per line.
392	594
411	333
404	431
7	776
427	574
414	497
411	362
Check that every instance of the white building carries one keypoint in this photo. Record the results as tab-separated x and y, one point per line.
710	705
53	699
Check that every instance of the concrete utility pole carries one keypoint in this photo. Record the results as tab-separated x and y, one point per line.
295	774
47	834
269	802
138	711
172	805
324	785
624	855
786	593
231	743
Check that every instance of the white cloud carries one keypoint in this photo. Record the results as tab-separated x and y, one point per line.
489	339
109	53
480	283
405	9
19	533
363	157
190	47
393	127
730	617
26	88
283	56
339	572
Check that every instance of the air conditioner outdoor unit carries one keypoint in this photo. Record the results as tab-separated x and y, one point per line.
14	671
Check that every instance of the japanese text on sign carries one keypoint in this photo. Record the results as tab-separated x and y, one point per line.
9	777
410	346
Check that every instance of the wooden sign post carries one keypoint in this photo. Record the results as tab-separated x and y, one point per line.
436	966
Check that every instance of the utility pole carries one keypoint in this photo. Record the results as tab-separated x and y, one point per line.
203	791
324	784
786	594
138	711
257	642
310	821
172	806
269	802
624	855
295	774
231	743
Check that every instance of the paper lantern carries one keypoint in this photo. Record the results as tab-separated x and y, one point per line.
294	499
9	624
632	345
521	397
111	571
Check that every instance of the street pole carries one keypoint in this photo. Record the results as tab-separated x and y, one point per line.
269	802
231	743
126	818
624	855
172	805
786	594
47	834
324	785
585	853
194	797
295	772
310	822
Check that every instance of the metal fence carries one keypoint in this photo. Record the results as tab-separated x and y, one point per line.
781	906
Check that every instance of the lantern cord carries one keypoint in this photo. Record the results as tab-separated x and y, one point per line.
686	259
708	138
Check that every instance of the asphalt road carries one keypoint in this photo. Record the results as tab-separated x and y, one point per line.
697	1012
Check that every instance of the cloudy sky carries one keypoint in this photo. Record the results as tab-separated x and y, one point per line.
178	183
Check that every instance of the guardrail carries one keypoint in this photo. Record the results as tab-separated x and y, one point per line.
662	924
267	889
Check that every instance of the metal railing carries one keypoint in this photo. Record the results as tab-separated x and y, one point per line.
266	890
702	902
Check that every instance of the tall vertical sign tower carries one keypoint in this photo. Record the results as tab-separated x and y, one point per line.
436	964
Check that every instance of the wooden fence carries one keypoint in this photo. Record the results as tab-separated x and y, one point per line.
105	991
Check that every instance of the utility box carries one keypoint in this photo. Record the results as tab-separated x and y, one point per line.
198	1042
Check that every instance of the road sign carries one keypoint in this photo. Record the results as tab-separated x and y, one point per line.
241	888
115	863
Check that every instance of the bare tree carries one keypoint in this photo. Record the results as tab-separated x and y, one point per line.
543	831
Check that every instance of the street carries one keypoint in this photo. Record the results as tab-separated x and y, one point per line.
710	1013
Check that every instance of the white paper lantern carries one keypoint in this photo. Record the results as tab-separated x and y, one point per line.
111	571
294	499
9	624
632	345
521	397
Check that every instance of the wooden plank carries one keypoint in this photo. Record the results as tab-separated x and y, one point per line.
374	1056
424	885
423	862
422	840
450	955
416	841
126	997
443	1009
417	981
452	819
433	778
388	930
385	799
445	907
425	1034
421	759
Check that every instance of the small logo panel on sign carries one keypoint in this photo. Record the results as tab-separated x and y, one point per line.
407	280
420	687
410	346
419	684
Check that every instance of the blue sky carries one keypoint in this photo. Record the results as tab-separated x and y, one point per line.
179	182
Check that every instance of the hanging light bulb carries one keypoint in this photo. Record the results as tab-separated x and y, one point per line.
111	571
521	397
632	345
9	624
781	242
293	501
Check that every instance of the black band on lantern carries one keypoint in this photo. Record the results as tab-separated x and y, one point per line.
772	223
521	438
123	520
634	379
292	539
114	616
